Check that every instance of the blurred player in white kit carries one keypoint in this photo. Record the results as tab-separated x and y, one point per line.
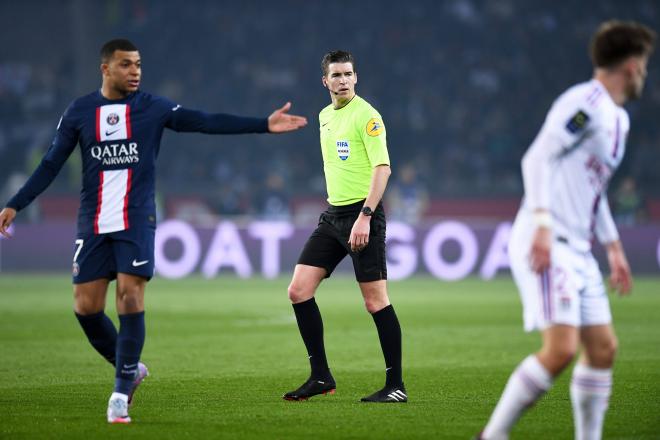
566	171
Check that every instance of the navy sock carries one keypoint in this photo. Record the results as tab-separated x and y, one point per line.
129	347
389	333
101	333
310	325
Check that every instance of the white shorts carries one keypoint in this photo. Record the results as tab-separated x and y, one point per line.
571	292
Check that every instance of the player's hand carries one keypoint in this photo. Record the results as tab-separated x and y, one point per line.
7	216
620	278
280	121
359	238
539	254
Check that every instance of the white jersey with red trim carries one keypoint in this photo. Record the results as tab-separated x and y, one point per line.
567	168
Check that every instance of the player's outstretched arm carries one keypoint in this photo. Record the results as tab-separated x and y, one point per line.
7	216
620	278
186	120
280	121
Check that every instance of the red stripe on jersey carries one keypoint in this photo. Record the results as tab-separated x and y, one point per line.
99	202
128	125
129	178
98	124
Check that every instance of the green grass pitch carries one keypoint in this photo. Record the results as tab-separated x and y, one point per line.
222	352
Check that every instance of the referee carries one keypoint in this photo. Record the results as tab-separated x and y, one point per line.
357	167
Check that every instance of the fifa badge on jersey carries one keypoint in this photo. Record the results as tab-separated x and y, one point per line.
578	122
343	149
374	127
76	269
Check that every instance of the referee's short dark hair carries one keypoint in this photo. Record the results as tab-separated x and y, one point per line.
336	56
615	41
111	46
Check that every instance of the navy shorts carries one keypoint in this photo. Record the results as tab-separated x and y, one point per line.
130	251
328	244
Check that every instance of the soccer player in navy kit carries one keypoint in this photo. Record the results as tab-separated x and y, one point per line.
119	129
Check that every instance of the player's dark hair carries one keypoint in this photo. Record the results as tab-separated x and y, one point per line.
336	56
109	48
615	41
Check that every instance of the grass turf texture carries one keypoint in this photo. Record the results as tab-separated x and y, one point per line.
222	352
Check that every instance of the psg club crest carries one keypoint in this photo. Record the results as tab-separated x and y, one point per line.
112	119
76	269
343	149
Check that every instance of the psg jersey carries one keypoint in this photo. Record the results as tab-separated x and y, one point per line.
119	143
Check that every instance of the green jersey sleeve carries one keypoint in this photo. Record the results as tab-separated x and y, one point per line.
374	137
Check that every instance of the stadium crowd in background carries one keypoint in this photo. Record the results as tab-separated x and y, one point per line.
452	80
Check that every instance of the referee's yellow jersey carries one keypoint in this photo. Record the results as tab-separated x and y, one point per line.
353	142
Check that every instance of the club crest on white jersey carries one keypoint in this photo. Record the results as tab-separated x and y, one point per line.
113	122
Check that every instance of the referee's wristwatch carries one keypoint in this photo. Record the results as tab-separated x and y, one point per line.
366	211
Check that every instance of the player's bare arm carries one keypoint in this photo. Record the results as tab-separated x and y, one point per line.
620	277
280	121
359	237
7	216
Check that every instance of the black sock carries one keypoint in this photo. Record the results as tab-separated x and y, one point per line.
389	333
129	347
310	325
101	333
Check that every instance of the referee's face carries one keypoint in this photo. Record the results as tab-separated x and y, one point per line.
340	81
123	71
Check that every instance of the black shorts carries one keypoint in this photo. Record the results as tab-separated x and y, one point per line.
328	244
